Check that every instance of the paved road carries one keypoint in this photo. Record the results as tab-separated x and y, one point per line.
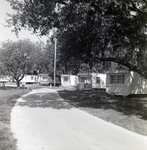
41	120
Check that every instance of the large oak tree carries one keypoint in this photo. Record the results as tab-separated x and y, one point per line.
106	30
17	59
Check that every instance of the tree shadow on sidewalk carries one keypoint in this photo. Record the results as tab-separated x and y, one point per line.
45	100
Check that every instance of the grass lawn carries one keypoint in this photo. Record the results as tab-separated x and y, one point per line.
130	113
127	112
8	97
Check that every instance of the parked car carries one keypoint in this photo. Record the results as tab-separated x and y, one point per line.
45	79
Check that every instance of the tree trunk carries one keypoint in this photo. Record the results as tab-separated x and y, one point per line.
18	83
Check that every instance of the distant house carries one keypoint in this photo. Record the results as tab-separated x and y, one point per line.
69	80
4	79
43	79
93	80
29	79
120	82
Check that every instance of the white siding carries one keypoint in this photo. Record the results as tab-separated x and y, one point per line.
139	84
29	79
72	80
133	84
119	89
102	83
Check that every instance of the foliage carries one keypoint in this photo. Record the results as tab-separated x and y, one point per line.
46	59
24	57
16	58
89	31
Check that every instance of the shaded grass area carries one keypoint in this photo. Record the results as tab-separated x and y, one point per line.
8	97
127	112
93	99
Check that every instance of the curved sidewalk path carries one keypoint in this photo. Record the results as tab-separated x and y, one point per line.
50	127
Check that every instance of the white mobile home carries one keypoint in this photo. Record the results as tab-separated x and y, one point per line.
96	80
4	79
29	79
120	82
68	80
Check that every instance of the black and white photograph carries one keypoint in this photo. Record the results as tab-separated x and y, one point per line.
73	74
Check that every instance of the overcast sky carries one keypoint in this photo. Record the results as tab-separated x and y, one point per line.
5	33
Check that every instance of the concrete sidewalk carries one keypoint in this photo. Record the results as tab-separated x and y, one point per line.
37	128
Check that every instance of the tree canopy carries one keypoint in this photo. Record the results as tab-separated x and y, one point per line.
15	58
26	57
89	31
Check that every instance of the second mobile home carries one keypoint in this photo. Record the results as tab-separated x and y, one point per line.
95	80
121	82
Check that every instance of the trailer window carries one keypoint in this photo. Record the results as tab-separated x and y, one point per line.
66	79
98	80
117	79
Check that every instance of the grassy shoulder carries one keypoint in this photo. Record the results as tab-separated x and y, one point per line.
8	97
129	113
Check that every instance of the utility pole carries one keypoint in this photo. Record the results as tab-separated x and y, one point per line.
55	62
